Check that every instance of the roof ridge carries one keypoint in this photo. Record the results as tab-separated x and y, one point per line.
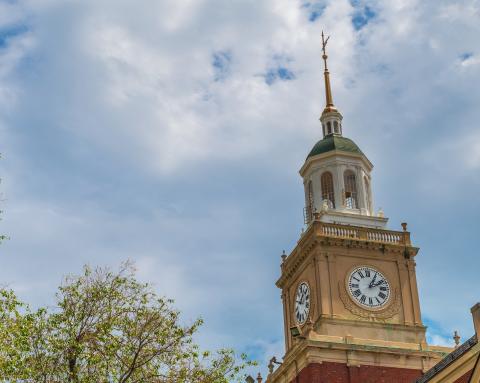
450	358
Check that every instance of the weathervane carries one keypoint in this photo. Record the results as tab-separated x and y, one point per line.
328	91
324	45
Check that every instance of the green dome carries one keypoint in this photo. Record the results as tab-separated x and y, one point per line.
333	142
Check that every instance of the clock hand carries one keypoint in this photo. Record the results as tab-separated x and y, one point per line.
373	281
379	283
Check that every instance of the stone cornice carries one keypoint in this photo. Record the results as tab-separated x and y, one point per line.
371	324
335	153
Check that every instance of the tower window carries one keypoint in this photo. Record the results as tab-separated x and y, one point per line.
329	127
335	127
351	201
327	189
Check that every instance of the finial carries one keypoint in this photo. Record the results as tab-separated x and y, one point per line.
404	226
456	338
259	378
284	256
324	45
328	91
271	364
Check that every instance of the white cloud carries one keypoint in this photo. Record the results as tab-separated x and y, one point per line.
440	340
470	61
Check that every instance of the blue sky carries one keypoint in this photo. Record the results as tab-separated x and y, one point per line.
171	133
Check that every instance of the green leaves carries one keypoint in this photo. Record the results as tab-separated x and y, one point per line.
107	327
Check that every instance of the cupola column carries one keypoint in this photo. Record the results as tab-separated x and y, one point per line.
317	187
340	186
362	201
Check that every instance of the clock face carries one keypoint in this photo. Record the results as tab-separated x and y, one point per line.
302	303
368	287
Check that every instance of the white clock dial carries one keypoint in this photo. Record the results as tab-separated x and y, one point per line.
368	287
302	303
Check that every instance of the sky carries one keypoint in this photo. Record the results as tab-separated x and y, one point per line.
171	133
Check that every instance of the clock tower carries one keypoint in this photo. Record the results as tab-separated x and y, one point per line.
349	290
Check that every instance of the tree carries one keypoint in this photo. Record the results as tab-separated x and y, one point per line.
107	328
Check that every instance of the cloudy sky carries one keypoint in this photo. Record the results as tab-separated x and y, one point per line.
171	133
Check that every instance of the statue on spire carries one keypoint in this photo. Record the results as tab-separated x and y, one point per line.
324	45
328	91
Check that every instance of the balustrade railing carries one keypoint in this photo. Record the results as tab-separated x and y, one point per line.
364	233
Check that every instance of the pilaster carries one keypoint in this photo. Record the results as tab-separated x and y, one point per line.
318	285
413	285
405	290
332	273
285	321
288	314
325	293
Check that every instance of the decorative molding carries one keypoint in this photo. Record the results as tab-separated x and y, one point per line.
388	312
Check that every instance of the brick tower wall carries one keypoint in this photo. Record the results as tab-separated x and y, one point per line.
341	373
465	378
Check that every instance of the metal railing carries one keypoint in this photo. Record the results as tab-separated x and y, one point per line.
308	215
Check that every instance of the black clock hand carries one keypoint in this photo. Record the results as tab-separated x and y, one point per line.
379	283
373	281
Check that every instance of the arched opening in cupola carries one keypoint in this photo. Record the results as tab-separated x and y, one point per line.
327	189
351	200
329	127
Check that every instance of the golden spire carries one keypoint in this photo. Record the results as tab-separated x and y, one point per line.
328	91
